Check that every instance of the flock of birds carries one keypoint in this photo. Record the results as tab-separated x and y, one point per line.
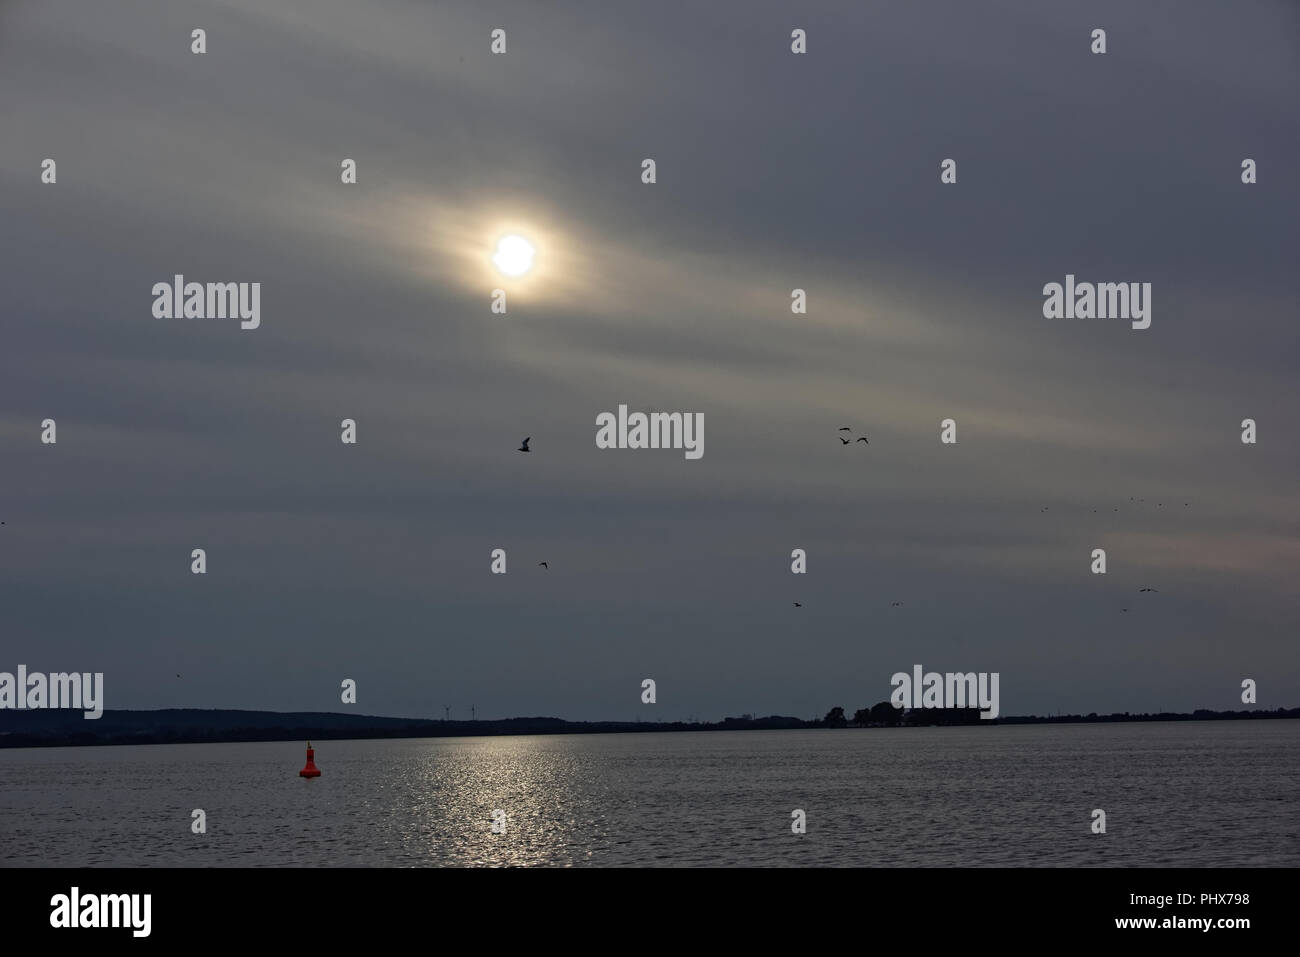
1135	501
523	447
898	604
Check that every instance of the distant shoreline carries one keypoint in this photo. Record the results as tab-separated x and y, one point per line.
46	729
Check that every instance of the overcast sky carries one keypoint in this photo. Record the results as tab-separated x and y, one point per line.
775	171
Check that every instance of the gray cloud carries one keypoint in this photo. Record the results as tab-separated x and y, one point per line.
774	171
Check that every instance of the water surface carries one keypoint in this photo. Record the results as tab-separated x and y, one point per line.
1223	793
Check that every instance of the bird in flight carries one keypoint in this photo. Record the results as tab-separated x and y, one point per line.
1148	589
524	447
845	428
864	440
843	441
895	604
544	565
1123	609
798	605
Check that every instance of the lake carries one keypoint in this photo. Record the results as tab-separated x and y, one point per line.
1211	793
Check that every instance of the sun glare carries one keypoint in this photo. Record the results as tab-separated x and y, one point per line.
514	255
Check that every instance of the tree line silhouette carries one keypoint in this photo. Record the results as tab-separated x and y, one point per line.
885	715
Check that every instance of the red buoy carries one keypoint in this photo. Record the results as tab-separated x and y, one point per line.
310	771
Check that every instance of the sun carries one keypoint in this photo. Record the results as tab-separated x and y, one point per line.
514	255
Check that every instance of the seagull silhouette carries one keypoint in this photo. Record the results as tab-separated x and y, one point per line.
843	441
895	604
524	447
797	605
1148	589
845	428
864	440
544	565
